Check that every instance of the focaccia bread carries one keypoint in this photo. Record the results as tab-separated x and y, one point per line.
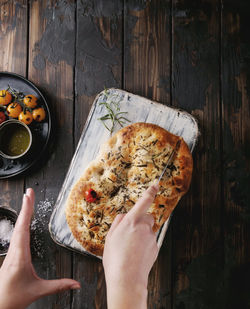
127	164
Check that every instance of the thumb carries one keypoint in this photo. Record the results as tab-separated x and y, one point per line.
116	222
48	287
143	204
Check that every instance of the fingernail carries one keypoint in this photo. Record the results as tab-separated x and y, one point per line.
156	185
24	195
75	287
155	182
27	191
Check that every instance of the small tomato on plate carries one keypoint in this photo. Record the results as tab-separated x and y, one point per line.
2	117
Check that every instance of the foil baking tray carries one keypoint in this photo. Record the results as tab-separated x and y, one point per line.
139	109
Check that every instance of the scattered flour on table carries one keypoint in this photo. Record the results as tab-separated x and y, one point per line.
39	227
6	230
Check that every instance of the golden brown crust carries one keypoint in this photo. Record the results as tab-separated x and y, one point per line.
126	165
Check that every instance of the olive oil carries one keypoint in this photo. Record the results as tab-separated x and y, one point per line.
15	140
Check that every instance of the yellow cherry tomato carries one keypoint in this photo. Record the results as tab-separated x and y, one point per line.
25	117
14	109
39	114
30	101
5	97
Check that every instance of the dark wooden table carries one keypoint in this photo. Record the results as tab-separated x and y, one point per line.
190	54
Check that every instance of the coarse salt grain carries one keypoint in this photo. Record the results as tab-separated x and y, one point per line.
39	227
6	230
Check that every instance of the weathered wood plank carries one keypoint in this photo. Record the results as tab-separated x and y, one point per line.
147	49
13	33
98	65
98	54
147	55
198	241
236	126
197	230
13	48
51	61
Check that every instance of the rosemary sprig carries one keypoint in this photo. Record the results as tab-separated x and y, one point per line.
15	93
19	96
113	113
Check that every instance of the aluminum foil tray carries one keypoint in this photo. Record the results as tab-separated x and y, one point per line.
138	109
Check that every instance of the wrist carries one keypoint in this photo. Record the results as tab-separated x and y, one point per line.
8	305
9	302
122	294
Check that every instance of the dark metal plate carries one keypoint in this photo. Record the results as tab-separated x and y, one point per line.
40	131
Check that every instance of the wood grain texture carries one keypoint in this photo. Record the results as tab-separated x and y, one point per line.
191	54
98	65
13	39
197	229
52	27
147	49
147	57
236	155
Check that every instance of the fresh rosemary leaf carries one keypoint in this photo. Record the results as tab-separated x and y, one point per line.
114	115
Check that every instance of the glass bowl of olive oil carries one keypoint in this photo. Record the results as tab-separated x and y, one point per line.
15	139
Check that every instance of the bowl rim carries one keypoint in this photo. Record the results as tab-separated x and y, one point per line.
8	209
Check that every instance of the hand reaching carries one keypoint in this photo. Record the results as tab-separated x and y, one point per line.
129	254
19	283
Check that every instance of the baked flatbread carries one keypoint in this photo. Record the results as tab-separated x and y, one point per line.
127	164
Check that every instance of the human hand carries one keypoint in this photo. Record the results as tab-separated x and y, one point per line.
129	254
19	283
